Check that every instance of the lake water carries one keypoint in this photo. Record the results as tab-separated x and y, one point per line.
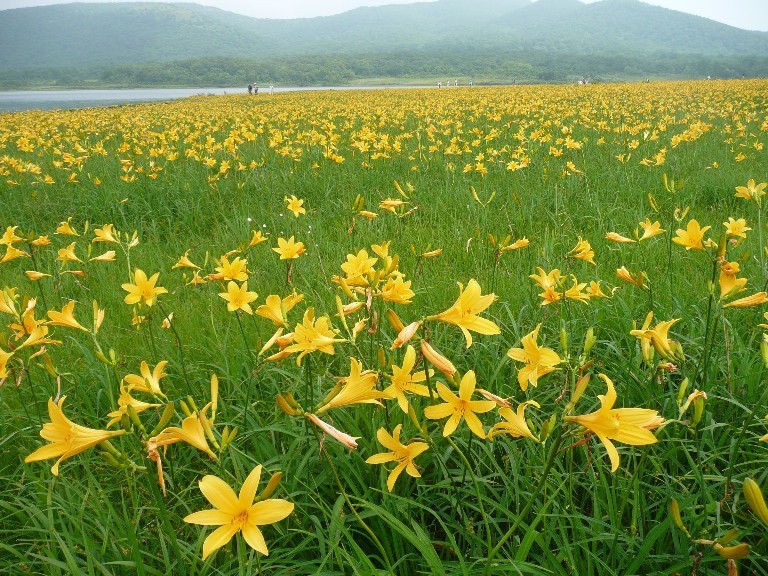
17	101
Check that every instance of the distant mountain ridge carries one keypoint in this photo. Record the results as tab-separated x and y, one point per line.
80	35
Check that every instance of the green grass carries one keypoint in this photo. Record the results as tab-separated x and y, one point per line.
575	517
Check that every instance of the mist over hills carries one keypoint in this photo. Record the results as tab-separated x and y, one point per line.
176	44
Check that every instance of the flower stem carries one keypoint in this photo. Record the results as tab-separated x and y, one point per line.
531	500
468	468
365	526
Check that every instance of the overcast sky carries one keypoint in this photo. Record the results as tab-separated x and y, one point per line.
748	14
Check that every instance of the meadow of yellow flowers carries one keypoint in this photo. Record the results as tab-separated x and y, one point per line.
467	331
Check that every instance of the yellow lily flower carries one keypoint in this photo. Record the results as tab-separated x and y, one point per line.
66	317
538	360
691	237
143	289
289	249
650	229
464	312
275	308
66	229
357	388
126	400
68	254
514	423
148	382
238	297
627	425
460	407
736	228
66	438
583	251
401	453
312	335
235	270
257	238
191	432
185	262
237	513
105	234
295	205
108	256
403	380
752	191
615	237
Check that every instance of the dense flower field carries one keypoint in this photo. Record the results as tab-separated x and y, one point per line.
456	331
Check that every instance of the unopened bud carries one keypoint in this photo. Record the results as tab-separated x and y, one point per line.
272	485
589	341
288	404
755	500
394	320
437	360
674	511
733	552
405	335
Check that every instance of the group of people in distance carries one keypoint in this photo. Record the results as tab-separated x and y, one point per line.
253	89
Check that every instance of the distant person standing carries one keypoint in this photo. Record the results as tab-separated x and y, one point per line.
439	84
255	89
271	89
250	88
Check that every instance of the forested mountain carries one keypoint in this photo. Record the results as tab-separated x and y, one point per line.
166	43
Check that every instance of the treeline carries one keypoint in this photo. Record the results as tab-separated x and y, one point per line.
337	70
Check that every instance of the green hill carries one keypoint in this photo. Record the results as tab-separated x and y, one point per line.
155	43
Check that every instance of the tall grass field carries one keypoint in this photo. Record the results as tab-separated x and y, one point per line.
449	331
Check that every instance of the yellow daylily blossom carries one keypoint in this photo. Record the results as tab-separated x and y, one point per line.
34	275
514	423
66	438
124	400
108	256
691	238
143	288
257	238
276	308
626	425
637	280
460	407
191	432
403	454
357	388
9	236
105	234
650	229
68	254
616	237
11	253
464	312
66	317
753	300
185	262
238	513
238	297
313	335
235	270
658	336
752	191
538	360
295	205
148	382
583	251
358	267
397	290
65	228
289	249
736	228
405	380
728	280
4	359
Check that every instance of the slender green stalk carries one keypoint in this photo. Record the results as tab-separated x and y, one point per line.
476	486
531	500
182	359
351	507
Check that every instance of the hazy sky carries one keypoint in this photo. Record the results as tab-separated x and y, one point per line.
748	14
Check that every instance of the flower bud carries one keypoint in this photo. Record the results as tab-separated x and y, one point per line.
437	360
755	500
